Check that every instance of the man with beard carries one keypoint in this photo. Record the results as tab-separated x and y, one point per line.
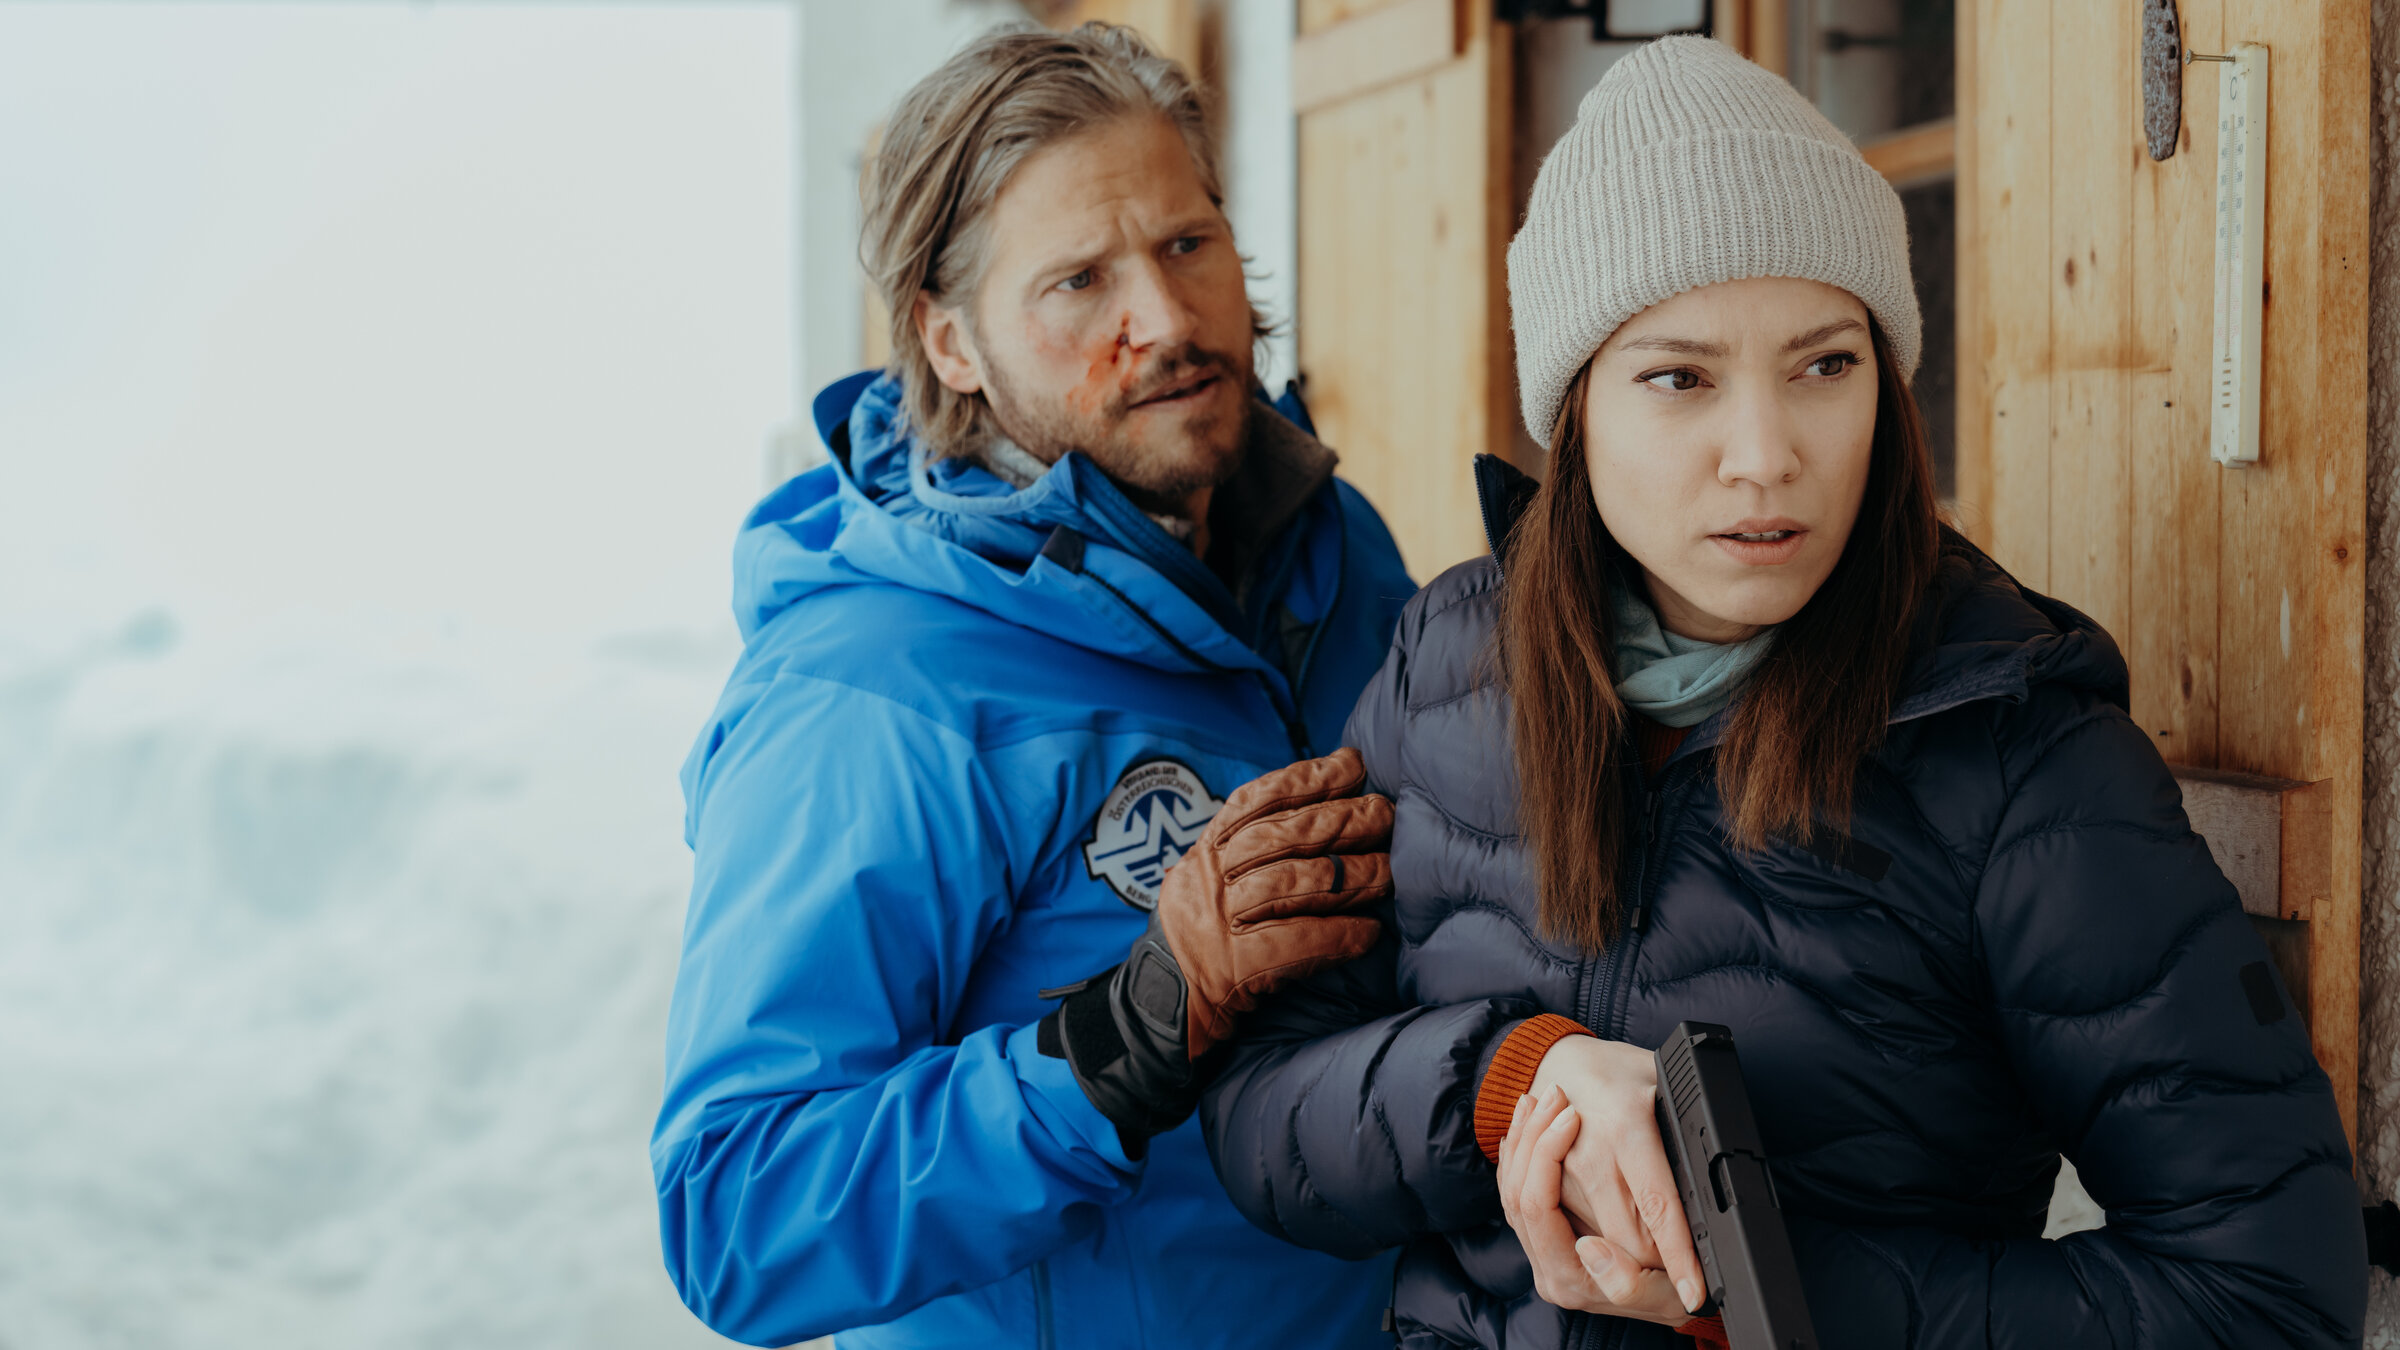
1040	679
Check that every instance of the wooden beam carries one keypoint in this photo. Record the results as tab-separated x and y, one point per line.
1380	47
1172	27
1914	154
1404	219
2005	268
2170	640
1730	20
2292	597
1971	441
2095	129
1768	36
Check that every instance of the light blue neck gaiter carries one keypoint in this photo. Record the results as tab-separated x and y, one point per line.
1675	681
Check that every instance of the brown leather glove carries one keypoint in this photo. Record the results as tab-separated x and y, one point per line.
1273	889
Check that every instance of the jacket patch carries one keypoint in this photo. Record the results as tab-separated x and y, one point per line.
2265	1004
1154	813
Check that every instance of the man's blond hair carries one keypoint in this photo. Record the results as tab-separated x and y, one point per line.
953	143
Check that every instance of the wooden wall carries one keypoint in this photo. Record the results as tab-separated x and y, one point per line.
1406	209
2085	318
1171	26
1404	223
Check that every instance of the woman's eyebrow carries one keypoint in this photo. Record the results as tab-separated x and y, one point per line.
1679	346
1816	335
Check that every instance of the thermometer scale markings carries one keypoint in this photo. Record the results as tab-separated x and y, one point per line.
2241	254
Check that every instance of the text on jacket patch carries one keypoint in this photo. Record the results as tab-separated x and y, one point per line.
1154	813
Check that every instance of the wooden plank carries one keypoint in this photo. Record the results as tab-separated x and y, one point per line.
2290	636
1502	421
1339	233
1404	213
1971	440
2308	854
1400	40
2334	546
2170	639
2094	112
2264	624
1914	154
1172	27
1317	15
1729	20
2009	361
2338	546
1769	34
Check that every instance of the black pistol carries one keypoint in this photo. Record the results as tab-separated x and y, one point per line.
1729	1200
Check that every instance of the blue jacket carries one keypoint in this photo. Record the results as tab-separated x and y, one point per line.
2015	948
970	728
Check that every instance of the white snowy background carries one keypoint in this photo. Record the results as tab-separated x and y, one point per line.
380	387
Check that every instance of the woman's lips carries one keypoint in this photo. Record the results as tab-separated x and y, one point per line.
1762	547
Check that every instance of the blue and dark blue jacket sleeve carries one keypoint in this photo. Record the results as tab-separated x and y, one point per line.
829	1155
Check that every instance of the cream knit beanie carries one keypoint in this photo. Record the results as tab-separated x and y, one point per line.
1686	166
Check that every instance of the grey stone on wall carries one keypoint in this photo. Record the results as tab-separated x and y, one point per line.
2379	939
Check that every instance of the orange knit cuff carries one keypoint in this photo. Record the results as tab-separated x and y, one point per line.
1511	1075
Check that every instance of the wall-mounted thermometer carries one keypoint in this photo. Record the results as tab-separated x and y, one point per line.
2241	253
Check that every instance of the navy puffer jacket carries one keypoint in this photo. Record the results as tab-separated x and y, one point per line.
2018	949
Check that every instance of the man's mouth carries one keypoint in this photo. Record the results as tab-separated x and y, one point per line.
1174	391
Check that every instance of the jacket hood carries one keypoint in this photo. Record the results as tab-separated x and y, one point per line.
1068	554
1981	634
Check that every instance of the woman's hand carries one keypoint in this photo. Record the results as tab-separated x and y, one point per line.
1587	1274
1617	1181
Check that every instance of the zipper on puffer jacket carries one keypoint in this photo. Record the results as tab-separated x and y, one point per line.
1604	994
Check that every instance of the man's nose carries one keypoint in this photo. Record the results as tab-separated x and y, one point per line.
1156	312
1759	447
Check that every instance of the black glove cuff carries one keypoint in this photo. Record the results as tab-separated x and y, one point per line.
1122	1035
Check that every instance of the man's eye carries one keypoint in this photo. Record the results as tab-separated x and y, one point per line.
1078	281
1836	363
1678	380
1190	243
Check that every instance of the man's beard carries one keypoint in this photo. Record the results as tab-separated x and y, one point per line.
1159	478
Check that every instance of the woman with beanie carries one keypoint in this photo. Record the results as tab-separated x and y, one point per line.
1730	729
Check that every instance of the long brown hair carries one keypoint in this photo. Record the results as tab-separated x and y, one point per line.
1811	710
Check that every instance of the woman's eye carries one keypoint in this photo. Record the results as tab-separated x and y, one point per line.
1836	363
1078	281
1676	380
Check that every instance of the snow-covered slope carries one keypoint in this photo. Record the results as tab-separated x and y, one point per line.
332	978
